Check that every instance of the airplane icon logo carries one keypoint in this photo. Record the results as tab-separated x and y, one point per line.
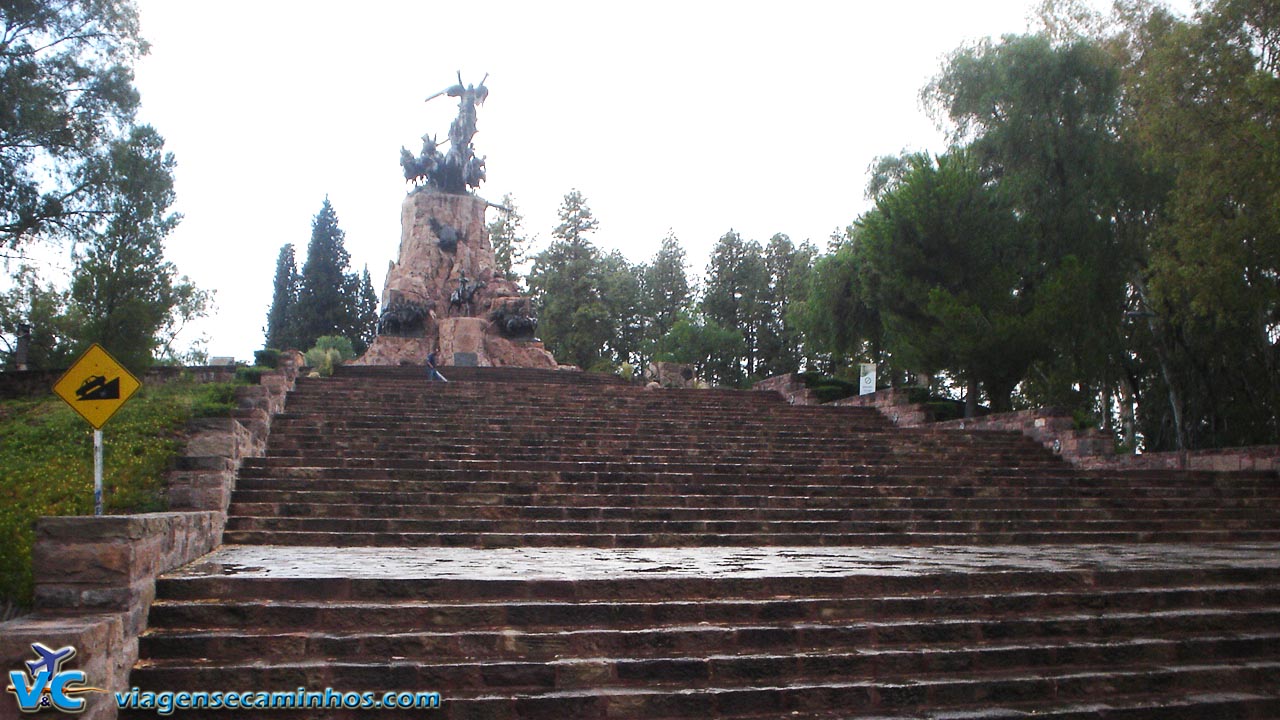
50	660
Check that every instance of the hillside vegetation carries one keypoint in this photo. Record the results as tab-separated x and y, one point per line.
46	464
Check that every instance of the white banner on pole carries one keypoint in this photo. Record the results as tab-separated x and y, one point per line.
866	378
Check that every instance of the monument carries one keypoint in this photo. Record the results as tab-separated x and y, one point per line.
443	292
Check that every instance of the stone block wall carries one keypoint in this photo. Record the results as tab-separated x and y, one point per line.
1051	427
893	403
1054	428
1259	458
790	387
38	383
95	576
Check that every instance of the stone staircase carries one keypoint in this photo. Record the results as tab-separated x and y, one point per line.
536	544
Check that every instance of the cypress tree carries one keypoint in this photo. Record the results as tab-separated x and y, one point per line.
280	318
367	313
326	292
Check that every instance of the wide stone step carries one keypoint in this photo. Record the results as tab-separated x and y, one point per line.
591	460
1214	629
638	471
619	512
1056	476
410	615
391	492
571	661
735	527
920	538
706	484
1035	687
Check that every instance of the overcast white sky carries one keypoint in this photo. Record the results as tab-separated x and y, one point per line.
693	116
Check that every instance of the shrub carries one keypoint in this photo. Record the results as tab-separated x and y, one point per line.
251	375
268	358
329	352
346	350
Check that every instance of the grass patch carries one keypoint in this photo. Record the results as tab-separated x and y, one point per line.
46	464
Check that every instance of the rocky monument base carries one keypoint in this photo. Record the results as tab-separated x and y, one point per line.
444	294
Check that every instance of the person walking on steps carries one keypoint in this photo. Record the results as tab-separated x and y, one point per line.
432	373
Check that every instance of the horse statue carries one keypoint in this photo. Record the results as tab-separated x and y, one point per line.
463	296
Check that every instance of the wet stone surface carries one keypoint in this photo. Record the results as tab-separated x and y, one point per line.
372	563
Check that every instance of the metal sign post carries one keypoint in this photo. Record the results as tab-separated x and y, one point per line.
97	472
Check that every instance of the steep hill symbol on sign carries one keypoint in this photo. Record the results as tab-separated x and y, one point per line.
97	387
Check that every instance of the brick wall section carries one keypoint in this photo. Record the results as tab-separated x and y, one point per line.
95	576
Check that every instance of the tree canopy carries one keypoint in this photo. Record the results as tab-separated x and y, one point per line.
76	168
66	80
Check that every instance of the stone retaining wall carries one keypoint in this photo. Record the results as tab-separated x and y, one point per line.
37	383
1259	458
1051	427
893	403
95	576
790	387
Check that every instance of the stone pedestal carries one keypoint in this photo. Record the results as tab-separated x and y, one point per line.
427	273
461	341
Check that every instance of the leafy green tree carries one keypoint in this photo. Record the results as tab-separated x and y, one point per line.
326	292
506	232
67	86
734	294
1204	104
839	317
130	298
284	298
623	299
566	280
713	351
947	262
1044	122
45	310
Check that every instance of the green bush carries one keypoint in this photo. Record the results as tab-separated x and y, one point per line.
346	350
268	358
329	352
827	388
918	395
251	375
942	410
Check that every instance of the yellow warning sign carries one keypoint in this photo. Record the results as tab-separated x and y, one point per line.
96	386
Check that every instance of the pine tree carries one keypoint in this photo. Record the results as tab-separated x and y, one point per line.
507	236
367	304
566	280
281	331
666	287
326	292
781	339
737	282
